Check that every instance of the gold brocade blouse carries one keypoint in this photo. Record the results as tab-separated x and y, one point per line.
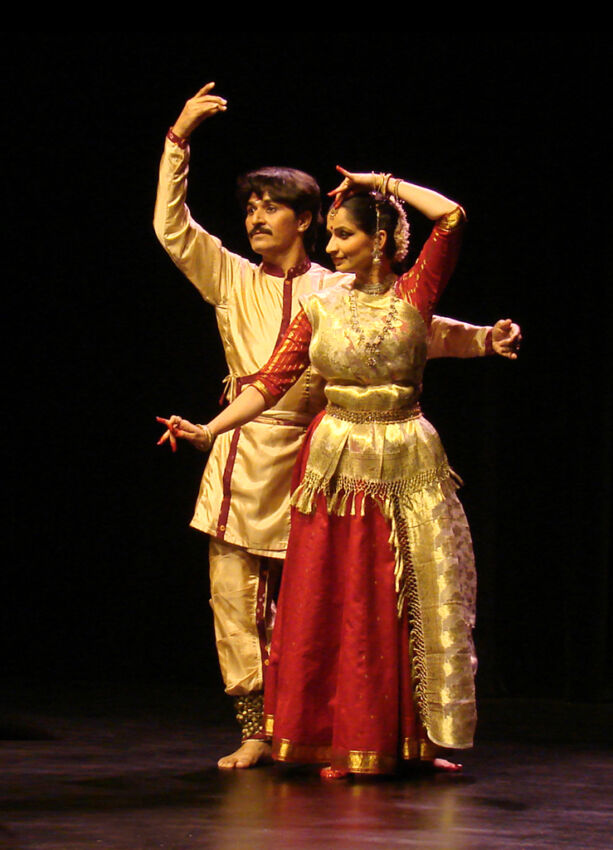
370	349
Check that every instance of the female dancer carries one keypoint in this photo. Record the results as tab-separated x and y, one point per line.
372	659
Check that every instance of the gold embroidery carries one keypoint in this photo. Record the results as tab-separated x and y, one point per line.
452	219
356	761
338	489
286	750
365	761
269	724
418	748
402	415
261	387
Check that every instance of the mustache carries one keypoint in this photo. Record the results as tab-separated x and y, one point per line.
259	229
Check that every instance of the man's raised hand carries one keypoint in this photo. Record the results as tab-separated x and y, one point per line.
197	109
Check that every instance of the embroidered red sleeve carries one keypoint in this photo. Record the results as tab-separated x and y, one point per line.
424	283
288	362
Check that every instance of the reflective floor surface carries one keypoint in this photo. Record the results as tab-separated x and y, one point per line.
126	773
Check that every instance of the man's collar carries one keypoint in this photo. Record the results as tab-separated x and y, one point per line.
277	271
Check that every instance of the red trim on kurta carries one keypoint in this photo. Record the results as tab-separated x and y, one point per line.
287	311
224	510
286	315
177	140
271	269
222	520
294	271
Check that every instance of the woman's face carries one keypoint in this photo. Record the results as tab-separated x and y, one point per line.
349	247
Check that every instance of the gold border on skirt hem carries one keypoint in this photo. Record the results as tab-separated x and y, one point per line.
285	750
355	761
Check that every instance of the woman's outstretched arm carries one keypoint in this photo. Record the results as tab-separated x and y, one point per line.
284	367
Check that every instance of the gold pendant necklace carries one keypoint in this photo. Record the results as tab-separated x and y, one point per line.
372	348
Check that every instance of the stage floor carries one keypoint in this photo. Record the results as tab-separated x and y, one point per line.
129	769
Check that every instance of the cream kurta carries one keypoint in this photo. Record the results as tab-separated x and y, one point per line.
244	494
248	304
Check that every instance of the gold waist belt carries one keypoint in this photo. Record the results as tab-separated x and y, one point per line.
401	415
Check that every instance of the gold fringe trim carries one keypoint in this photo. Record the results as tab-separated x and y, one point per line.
406	588
339	489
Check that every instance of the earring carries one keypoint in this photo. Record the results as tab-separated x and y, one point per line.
377	253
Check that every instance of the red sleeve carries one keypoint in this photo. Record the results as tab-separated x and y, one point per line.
423	284
288	361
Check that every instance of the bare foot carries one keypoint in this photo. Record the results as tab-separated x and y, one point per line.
249	754
333	773
446	766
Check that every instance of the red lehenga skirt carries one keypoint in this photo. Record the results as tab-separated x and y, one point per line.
338	683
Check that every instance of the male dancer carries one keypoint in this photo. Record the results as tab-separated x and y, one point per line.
243	502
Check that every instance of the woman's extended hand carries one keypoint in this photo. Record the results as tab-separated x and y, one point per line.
182	429
351	183
199	107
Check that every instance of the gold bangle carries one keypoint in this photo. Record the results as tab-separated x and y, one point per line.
209	437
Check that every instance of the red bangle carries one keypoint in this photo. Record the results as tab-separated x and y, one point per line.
182	143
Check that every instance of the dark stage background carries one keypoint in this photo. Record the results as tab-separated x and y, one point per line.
104	579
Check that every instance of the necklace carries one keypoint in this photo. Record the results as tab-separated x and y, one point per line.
376	288
371	348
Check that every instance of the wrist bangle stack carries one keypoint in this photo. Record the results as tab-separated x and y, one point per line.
382	182
182	143
208	437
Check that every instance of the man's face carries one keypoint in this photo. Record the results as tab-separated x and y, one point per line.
273	228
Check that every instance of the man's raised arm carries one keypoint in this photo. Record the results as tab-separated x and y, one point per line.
197	254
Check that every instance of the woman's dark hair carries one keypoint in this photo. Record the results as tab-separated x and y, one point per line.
362	207
296	189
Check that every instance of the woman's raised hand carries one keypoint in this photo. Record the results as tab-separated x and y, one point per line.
197	109
352	182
